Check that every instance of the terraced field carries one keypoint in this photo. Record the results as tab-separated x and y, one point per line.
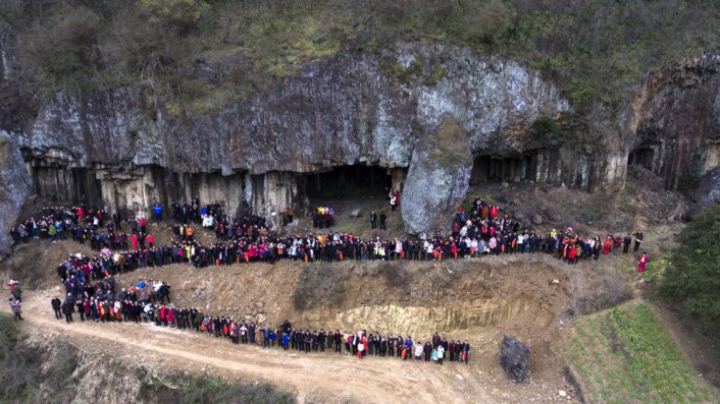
623	355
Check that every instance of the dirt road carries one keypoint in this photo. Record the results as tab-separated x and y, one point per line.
374	380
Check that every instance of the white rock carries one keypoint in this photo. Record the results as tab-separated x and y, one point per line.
556	281
562	393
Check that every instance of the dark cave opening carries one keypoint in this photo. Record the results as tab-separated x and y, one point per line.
350	181
498	169
67	185
642	156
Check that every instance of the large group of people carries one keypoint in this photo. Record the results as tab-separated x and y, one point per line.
250	238
92	295
90	289
482	231
144	302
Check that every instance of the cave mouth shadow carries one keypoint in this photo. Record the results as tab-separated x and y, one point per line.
488	168
347	181
643	156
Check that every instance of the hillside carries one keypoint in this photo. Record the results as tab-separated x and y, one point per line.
581	117
498	297
252	103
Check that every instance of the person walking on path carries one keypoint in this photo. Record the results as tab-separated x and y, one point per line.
16	308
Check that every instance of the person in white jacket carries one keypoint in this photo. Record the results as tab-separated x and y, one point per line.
418	351
441	354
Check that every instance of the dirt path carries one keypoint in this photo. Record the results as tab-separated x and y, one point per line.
374	380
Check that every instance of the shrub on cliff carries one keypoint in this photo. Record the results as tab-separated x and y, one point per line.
692	275
595	49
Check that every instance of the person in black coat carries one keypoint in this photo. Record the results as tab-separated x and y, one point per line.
67	309
383	218
56	305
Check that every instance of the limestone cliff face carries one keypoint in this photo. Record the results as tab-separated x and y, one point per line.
15	188
675	125
438	179
127	147
359	107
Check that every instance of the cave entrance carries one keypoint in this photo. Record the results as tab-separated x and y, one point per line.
64	185
642	156
87	187
498	169
351	181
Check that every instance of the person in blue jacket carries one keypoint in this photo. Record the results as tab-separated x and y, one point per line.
157	212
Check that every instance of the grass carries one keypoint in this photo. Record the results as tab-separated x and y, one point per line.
625	356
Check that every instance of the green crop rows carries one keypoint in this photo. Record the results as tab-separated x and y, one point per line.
625	356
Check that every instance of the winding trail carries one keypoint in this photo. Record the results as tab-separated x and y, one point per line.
372	380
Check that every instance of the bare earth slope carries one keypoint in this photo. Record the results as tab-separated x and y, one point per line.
513	296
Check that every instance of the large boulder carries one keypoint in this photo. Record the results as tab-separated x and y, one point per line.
15	188
514	357
553	215
438	179
537	219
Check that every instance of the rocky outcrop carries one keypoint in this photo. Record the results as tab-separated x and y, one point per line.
366	108
707	193
438	179
15	188
514	357
129	146
354	108
675	125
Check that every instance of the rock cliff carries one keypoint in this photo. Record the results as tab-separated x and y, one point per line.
15	188
675	126
126	147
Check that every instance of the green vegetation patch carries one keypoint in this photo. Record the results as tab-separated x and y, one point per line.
597	50
690	275
625	356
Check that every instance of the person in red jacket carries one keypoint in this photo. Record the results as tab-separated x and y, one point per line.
150	240
134	242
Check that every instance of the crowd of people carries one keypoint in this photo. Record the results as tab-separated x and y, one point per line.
250	238
90	286
91	294
482	231
144	302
